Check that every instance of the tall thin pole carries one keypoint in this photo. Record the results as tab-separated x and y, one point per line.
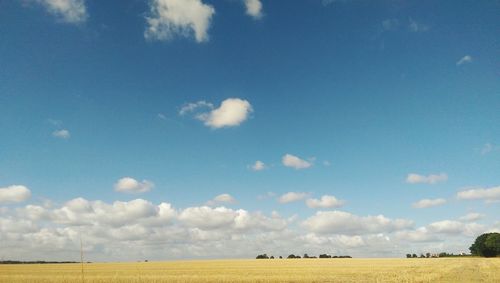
81	258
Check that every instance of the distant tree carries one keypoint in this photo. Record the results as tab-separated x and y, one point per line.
262	256
272	257
291	256
414	256
325	256
408	255
487	245
306	256
428	255
281	257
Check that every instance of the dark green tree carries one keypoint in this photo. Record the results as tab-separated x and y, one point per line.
487	245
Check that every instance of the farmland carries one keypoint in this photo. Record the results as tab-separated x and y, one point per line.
296	270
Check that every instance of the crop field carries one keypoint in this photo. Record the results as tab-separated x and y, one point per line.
295	270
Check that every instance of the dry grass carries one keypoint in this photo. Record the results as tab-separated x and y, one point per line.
295	270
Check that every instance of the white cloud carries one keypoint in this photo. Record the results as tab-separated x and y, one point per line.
190	107
253	8
258	166
417	27
465	59
178	17
62	134
471	216
292	196
14	193
326	201
69	11
225	198
222	198
340	222
232	112
159	232
425	203
489	194
131	185
221	218
430	179
446	226
295	162
420	234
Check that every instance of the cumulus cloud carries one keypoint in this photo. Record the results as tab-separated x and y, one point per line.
464	60
158	231
326	201
253	8
340	222
425	203
207	218
232	112
131	185
69	11
258	166
14	193
178	17
61	134
413	178
292	196
295	162
454	227
489	194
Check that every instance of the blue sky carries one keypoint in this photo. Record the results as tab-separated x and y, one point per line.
384	107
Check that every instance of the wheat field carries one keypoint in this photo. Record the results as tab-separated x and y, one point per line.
295	270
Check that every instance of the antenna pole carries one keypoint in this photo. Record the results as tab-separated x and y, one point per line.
81	258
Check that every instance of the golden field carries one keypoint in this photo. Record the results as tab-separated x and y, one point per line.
284	270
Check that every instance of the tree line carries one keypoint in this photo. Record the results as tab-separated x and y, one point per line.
486	245
265	256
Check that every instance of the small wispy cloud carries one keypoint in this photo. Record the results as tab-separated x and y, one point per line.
61	134
425	203
390	24
221	199
415	26
267	195
193	106
488	148
413	178
295	162
292	196
472	216
258	166
325	201
464	60
487	194
68	11
131	185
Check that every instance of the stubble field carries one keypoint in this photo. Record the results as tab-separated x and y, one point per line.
285	270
